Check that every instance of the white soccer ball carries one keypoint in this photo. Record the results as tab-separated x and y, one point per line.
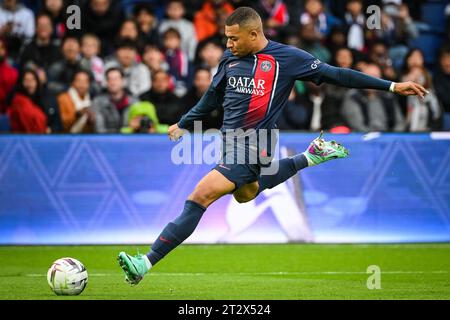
67	276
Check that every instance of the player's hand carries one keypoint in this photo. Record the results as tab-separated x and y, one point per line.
175	132
410	88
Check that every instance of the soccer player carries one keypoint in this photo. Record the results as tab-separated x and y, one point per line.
253	82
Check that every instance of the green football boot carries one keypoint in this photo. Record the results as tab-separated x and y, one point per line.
134	267
321	151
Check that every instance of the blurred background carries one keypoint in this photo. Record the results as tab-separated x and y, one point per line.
134	67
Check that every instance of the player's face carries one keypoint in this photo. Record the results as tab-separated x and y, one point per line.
239	40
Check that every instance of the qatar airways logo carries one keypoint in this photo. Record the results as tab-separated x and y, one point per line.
247	85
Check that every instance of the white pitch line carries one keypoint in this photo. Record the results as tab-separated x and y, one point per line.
170	274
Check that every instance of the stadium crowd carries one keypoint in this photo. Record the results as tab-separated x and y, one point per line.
137	66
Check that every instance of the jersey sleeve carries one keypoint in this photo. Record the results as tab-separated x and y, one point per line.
219	79
304	66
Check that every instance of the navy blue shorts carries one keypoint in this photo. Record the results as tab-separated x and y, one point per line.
242	160
240	174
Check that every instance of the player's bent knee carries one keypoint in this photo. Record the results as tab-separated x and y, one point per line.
246	193
243	199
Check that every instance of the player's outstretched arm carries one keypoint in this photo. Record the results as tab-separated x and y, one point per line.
354	79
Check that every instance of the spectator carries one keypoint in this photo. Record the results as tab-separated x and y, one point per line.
148	24
442	78
397	24
8	76
356	24
90	50
315	14
167	104
202	80
210	54
111	107
274	15
368	110
207	18
337	38
130	30
60	73
293	116
40	52
422	114
103	18
331	108
142	118
292	40
310	41
294	10
413	59
56	10
313	110
154	59
177	59
16	25
343	58
175	13
137	75
75	105
334	95
26	111
397	29
379	54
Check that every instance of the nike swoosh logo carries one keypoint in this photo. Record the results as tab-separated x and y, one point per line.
233	64
327	153
164	240
132	263
224	167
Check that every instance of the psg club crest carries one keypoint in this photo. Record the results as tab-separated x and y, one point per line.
266	66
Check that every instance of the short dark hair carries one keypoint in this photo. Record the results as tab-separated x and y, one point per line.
154	74
241	16
172	1
70	37
78	71
139	7
444	50
172	31
43	14
202	68
151	46
126	43
114	69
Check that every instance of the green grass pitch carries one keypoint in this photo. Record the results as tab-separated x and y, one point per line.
292	271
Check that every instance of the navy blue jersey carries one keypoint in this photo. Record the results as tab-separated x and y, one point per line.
254	89
257	87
